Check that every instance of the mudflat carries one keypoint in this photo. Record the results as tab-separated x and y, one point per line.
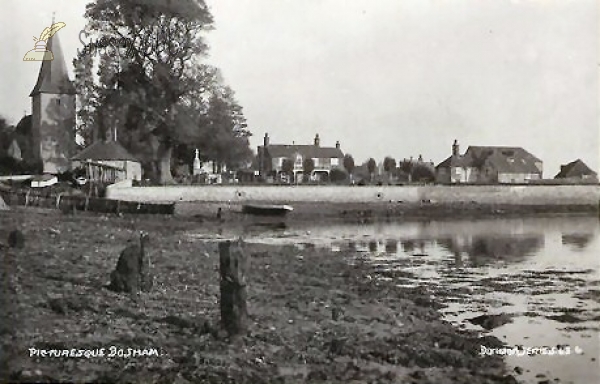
315	316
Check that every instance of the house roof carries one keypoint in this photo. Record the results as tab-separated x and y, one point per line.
503	159
455	161
105	150
313	151
53	76
574	169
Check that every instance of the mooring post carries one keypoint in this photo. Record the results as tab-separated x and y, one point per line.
233	268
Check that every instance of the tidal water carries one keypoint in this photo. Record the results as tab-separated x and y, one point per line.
541	274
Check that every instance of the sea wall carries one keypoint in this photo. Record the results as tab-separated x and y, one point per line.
500	194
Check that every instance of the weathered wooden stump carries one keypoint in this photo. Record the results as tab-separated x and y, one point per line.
16	239
233	268
132	273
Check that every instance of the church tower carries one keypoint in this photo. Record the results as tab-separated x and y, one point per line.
53	113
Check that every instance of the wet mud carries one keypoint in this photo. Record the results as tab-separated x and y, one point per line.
316	316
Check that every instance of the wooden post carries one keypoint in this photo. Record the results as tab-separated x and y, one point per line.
233	268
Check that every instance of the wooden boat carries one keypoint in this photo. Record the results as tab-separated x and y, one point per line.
43	181
45	199
266	209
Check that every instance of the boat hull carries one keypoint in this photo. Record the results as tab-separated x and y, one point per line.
266	210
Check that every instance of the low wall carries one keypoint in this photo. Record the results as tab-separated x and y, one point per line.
501	194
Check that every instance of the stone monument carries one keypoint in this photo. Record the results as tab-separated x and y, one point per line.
197	166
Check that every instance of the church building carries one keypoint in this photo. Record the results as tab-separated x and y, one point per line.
52	121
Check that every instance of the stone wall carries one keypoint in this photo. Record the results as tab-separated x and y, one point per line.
501	194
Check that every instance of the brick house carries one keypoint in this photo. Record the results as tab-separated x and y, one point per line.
271	156
489	165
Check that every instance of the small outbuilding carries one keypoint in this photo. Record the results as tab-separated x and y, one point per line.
577	171
108	161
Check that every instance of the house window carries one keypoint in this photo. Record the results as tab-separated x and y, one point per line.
335	162
316	162
298	161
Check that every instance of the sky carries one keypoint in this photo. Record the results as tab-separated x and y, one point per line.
393	78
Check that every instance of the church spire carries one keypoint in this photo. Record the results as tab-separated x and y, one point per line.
53	76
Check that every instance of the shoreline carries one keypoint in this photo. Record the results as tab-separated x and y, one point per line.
384	333
393	211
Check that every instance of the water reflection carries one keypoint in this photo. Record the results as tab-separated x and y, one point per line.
483	250
480	250
372	246
510	248
578	241
391	246
414	246
258	227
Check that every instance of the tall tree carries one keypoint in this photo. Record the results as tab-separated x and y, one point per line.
423	173
371	166
308	166
389	164
164	40
406	166
349	165
87	100
228	138
287	167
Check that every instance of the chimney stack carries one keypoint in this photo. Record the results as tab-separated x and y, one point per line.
266	140
317	140
455	148
337	144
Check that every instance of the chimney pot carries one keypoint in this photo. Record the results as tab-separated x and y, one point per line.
455	148
317	140
337	144
266	140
